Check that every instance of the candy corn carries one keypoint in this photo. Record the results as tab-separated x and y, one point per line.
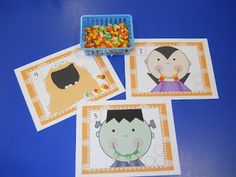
104	86
110	36
97	90
101	76
88	94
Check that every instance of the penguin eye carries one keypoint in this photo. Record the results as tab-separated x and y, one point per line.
174	59
113	130
158	59
133	129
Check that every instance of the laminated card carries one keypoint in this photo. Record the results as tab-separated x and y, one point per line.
54	84
126	138
173	68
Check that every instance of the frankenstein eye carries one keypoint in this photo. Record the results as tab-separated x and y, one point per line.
173	58
133	129
113	130
158	59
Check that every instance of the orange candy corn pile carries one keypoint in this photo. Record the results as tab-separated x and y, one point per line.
110	36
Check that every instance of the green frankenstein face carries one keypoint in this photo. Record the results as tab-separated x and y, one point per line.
125	135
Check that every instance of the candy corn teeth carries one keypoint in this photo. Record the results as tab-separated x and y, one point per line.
110	36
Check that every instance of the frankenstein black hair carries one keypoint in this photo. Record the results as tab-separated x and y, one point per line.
167	51
128	114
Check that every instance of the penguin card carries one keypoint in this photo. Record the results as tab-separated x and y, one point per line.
126	138
53	85
173	68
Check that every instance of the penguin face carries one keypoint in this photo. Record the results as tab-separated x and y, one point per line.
167	61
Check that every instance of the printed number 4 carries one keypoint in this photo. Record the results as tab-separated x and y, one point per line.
35	75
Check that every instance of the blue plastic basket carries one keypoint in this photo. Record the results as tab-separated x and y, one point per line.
90	20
